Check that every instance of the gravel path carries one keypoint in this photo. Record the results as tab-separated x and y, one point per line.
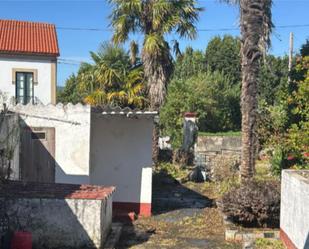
183	218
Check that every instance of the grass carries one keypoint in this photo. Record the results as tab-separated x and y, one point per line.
216	189
173	170
224	134
268	244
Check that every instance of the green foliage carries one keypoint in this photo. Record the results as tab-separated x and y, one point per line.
284	121
160	17
206	83
272	123
223	134
154	20
262	243
278	161
171	170
70	93
223	55
298	133
208	94
304	51
189	64
273	79
111	79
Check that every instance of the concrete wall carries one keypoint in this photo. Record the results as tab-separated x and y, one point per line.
9	141
294	217
121	157
57	223
43	90
72	137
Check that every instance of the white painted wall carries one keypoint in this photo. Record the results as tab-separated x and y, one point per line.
42	90
72	137
121	156
294	212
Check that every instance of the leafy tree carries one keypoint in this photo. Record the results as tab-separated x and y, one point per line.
70	93
298	134
256	26
190	63
154	19
273	79
304	51
210	95
223	54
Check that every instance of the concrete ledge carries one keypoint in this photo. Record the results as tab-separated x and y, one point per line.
286	240
243	235
59	215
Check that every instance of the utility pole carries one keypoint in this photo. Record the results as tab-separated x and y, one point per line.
291	54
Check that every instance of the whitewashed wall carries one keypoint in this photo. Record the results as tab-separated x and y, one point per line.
121	156
294	211
44	66
72	137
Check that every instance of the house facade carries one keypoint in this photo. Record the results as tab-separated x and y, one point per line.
28	61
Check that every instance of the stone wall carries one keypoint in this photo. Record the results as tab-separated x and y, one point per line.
59	215
219	155
294	217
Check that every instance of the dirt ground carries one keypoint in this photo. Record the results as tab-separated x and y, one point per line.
182	218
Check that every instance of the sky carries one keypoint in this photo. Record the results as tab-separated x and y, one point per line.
94	14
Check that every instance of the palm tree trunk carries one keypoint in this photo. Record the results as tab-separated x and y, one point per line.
157	69
251	30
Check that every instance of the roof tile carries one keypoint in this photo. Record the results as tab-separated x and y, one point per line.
20	37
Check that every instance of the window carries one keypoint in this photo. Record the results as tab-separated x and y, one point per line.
24	87
38	135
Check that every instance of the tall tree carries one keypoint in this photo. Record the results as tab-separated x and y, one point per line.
223	54
256	26
154	19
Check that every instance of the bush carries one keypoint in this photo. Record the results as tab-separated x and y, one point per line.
278	161
225	167
253	204
211	95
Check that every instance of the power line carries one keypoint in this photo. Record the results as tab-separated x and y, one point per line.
199	30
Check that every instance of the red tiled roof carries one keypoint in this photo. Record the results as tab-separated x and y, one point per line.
19	189
19	37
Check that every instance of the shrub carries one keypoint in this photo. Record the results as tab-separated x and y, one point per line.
225	167
253	204
278	161
211	95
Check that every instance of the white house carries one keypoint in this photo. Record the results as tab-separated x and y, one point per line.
28	61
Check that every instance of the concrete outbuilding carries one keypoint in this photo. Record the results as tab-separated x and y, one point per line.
79	144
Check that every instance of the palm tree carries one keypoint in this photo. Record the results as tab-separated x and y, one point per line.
154	19
256	27
111	79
